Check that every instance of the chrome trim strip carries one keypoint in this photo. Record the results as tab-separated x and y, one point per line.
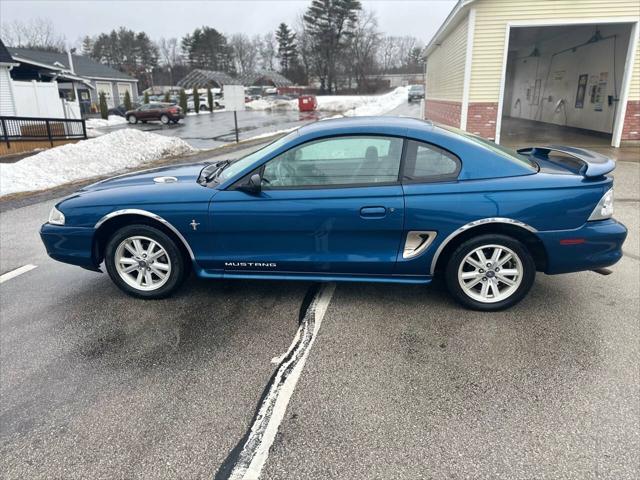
134	211
469	225
423	244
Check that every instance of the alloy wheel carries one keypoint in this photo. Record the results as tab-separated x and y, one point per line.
142	263
490	273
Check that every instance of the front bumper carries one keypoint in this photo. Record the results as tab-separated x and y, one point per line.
72	245
592	246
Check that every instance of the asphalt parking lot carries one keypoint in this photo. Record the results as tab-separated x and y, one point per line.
214	130
399	383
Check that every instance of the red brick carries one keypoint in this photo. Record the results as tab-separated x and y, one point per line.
631	127
443	111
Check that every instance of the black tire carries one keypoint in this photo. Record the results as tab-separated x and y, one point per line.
458	256
178	265
165	119
132	119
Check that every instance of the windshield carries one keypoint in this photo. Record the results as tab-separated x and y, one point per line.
244	162
416	88
504	152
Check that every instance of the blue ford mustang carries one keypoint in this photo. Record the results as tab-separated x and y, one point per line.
366	199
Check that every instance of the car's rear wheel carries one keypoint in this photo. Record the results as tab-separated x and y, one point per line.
165	119
144	262
132	119
490	272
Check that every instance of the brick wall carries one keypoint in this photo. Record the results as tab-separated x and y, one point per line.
631	127
443	111
481	119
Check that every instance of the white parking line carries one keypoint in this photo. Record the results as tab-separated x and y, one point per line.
18	271
255	450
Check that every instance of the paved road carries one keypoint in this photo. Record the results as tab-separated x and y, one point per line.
400	382
213	130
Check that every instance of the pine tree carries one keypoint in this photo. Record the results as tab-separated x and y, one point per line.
127	101
104	108
210	99
167	96
330	24
146	97
183	100
196	100
287	52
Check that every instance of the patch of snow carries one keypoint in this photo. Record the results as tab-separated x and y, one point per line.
349	105
115	151
376	104
112	121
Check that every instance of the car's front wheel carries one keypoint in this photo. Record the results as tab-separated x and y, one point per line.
490	272
144	262
132	119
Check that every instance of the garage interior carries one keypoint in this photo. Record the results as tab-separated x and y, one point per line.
563	84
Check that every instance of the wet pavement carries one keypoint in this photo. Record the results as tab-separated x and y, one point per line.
210	130
400	383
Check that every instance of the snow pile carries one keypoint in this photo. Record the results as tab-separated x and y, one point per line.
272	104
112	121
351	105
375	104
119	150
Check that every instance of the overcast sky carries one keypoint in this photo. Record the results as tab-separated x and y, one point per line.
174	18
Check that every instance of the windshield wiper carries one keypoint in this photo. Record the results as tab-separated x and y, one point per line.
210	172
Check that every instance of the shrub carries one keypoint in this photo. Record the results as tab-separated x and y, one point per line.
104	108
127	101
196	100
210	99
183	100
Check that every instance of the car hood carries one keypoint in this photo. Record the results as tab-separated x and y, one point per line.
174	173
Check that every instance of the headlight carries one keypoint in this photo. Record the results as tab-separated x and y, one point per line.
56	217
604	208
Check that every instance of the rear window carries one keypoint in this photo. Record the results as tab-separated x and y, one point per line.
504	152
426	162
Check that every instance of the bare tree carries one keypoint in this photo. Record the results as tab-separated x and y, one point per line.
361	55
244	53
388	53
405	47
170	55
305	47
268	49
37	33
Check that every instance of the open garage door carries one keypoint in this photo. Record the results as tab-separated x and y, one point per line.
565	84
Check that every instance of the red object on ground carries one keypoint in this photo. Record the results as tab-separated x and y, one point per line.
307	103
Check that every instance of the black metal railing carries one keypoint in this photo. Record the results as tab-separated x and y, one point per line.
17	129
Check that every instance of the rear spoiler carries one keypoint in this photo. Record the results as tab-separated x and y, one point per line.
594	164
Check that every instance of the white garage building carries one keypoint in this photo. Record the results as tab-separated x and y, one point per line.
522	71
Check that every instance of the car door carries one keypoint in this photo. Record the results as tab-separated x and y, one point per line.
143	112
328	206
154	111
433	203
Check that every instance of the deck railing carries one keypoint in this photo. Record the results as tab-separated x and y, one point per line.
16	129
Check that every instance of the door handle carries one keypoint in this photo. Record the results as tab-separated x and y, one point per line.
373	212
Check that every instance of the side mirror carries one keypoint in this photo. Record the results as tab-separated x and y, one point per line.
253	186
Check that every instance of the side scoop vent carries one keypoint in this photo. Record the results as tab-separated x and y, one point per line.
417	242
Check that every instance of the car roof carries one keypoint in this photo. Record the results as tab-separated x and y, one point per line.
355	124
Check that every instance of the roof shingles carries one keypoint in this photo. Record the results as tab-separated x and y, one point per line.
82	65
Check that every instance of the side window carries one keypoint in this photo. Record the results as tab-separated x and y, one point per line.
354	160
430	163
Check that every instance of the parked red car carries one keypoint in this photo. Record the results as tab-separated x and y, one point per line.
165	112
